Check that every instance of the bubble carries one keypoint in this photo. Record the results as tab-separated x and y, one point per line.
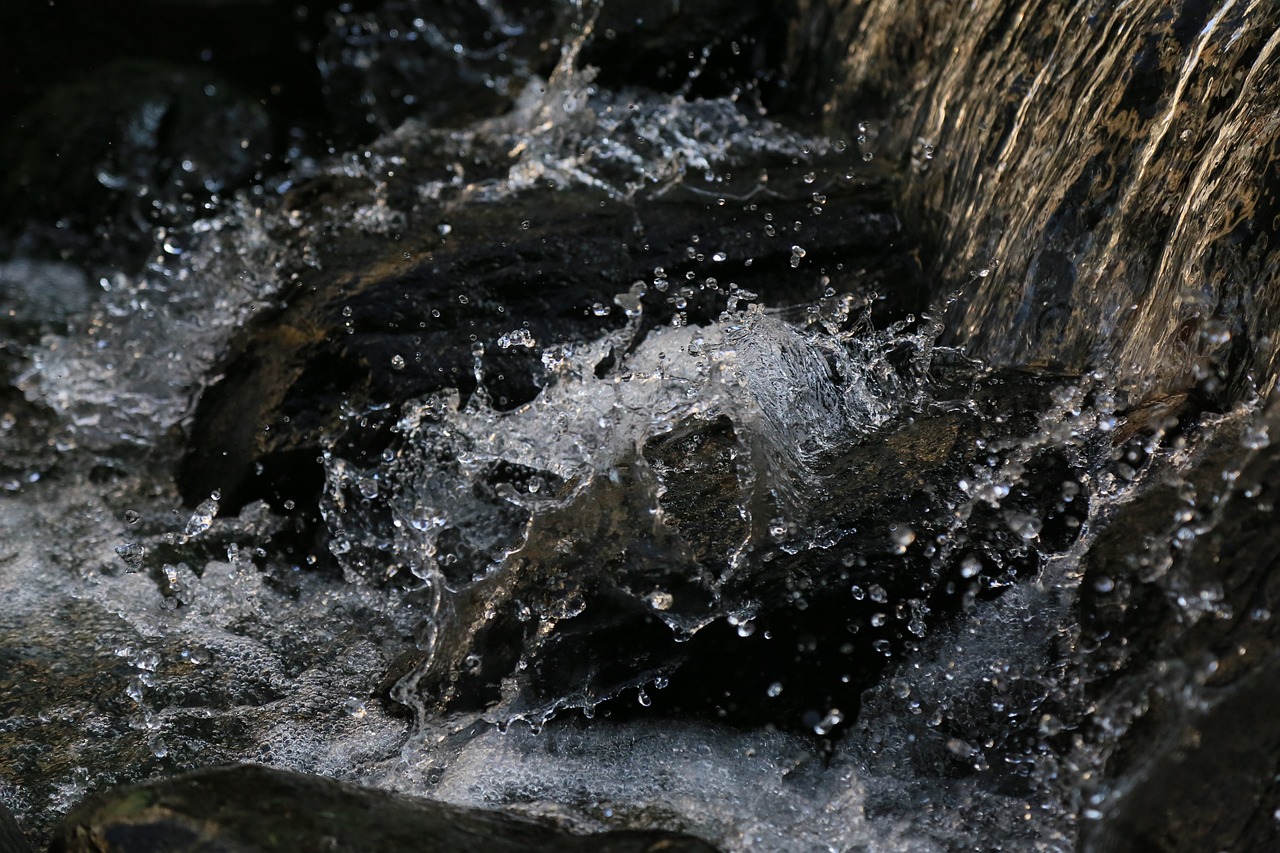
902	535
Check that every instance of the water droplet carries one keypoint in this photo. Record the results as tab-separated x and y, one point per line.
833	718
133	553
660	600
970	566
203	516
1026	526
1256	437
902	535
131	516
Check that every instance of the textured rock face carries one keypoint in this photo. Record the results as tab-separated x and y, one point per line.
250	809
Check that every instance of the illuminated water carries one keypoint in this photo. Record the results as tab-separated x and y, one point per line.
141	636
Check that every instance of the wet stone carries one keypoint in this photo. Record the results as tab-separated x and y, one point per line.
11	840
248	809
1186	649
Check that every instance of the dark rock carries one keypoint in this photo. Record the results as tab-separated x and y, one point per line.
132	144
1177	609
11	840
450	63
539	260
568	617
247	809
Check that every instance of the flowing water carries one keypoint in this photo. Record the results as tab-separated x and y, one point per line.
575	603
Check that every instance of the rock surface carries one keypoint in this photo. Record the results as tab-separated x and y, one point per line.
248	809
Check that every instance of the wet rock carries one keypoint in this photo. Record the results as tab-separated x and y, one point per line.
248	808
656	573
376	319
130	144
11	840
1177	608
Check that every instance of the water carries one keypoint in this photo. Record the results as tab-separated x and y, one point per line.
754	552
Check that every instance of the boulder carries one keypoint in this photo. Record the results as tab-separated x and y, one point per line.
252	809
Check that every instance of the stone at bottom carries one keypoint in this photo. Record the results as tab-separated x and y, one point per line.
11	840
246	809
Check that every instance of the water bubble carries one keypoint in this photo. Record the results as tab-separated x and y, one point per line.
775	689
797	253
397	362
1026	526
146	660
643	699
131	516
719	257
902	535
970	566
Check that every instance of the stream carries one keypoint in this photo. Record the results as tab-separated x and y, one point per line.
832	425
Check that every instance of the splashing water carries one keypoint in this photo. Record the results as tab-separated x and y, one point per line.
899	576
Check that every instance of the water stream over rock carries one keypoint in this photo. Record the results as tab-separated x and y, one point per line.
842	426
